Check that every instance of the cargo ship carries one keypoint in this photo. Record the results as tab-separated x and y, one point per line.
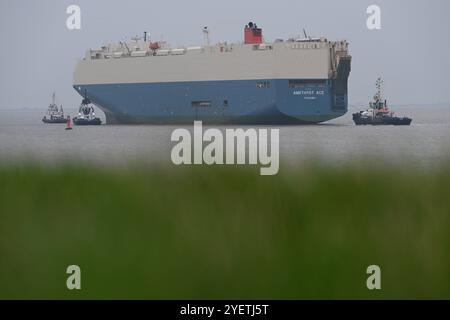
299	80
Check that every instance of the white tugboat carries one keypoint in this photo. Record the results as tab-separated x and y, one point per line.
379	113
54	113
86	114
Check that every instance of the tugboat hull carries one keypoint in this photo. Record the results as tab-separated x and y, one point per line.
59	120
376	121
86	122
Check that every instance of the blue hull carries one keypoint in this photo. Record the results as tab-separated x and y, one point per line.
280	101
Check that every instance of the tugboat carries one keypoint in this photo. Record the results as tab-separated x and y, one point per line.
54	114
86	114
379	113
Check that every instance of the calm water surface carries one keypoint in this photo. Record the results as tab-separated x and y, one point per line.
425	143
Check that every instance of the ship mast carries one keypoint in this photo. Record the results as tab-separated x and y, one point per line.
206	36
379	101
379	85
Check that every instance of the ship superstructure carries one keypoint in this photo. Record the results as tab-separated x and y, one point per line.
302	80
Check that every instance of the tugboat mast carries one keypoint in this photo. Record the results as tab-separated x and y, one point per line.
379	85
378	97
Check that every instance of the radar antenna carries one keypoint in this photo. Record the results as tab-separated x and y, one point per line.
136	38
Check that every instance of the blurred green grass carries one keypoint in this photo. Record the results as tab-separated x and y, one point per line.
224	233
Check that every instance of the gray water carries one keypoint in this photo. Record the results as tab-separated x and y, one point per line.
426	143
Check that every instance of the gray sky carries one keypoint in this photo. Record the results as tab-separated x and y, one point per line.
411	51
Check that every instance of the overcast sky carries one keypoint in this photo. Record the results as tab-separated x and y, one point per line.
411	51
